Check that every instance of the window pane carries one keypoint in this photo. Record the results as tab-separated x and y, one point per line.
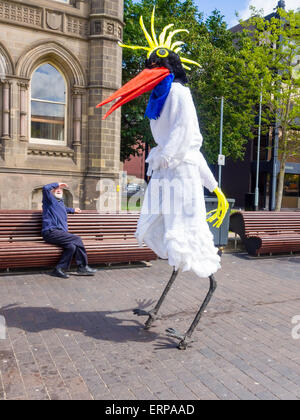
45	109
291	185
48	84
47	121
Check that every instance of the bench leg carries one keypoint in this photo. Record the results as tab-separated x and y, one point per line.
153	313
185	339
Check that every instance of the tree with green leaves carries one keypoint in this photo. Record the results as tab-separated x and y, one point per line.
220	65
211	44
135	128
268	56
233	66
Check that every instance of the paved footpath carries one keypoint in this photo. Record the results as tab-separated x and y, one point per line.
78	338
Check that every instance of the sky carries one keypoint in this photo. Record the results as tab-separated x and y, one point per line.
229	7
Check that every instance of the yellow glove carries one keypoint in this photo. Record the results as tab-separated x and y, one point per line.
219	213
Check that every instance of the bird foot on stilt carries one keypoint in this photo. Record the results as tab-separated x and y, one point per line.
153	313
174	333
184	341
152	317
140	312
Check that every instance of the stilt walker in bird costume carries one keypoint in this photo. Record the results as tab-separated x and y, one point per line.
173	217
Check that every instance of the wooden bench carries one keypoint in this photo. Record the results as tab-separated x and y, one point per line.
108	238
267	232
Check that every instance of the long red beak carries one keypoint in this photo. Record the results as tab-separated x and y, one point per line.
143	82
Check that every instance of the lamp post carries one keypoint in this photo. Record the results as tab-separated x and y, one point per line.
258	154
221	157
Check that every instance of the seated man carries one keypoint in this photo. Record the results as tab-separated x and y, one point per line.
55	231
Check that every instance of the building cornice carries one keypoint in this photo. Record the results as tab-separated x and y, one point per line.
57	172
60	19
106	16
48	19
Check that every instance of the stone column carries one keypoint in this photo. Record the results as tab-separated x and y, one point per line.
77	121
23	111
106	24
6	100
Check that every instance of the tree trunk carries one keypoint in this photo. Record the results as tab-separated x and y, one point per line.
283	161
280	186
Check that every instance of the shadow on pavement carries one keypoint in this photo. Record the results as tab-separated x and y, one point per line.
101	325
295	258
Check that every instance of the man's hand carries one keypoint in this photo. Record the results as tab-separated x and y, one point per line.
63	186
77	210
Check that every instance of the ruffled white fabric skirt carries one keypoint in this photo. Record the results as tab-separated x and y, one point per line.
173	220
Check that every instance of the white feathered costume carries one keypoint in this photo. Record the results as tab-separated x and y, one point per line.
173	217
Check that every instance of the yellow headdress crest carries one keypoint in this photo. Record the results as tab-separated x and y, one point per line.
163	44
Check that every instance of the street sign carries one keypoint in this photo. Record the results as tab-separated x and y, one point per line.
221	160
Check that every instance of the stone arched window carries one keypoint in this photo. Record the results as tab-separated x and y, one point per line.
6	69
37	198
6	64
2	66
48	105
69	68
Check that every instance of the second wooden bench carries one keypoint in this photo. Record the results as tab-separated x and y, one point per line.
267	232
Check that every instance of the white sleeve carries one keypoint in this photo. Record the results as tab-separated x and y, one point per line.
181	118
208	180
176	118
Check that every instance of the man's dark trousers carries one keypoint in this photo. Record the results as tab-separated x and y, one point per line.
72	245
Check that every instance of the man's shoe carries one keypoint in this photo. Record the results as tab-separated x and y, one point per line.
58	272
86	270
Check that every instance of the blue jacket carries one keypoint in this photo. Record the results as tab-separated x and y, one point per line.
54	210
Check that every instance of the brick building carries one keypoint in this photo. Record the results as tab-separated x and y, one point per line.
58	59
135	165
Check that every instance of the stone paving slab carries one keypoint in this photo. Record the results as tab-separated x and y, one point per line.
78	339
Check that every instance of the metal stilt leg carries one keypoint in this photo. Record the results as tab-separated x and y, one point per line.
185	339
153	313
